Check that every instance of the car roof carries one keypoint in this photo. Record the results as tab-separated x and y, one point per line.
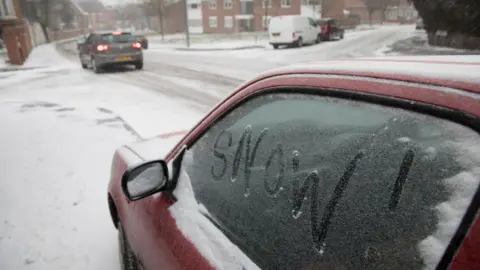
459	71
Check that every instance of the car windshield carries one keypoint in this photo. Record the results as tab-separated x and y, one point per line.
117	38
92	89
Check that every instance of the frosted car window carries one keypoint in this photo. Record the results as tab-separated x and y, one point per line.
308	182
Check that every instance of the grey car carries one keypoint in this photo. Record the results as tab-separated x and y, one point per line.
102	49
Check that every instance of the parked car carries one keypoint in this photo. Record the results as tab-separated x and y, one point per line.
330	29
292	30
419	25
333	165
143	40
102	49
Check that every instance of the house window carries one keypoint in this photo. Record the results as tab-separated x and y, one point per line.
267	3
305	2
286	3
193	6
228	21
212	4
212	21
266	21
227	4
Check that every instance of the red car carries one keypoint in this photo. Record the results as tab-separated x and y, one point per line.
358	164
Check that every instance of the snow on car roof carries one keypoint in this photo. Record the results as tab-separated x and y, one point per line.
460	72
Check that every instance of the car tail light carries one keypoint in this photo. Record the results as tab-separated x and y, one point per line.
102	48
293	35
136	45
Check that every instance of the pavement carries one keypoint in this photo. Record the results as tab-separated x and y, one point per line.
417	44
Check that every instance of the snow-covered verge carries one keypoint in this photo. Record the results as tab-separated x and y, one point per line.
417	44
55	168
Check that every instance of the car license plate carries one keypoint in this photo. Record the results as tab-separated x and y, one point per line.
276	35
124	58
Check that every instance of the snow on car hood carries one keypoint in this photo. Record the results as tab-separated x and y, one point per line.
157	147
220	252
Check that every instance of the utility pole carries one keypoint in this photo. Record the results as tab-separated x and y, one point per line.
187	34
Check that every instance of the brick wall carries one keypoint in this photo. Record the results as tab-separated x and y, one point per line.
257	15
334	9
220	12
174	20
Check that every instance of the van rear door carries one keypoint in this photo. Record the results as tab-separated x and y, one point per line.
280	30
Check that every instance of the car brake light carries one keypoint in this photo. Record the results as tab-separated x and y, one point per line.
136	45
116	33
102	48
293	35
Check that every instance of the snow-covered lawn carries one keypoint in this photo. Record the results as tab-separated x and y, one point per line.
60	126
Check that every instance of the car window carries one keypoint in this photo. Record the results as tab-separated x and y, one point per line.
312	182
311	22
117	38
90	39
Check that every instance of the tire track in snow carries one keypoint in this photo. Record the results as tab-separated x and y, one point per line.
201	101
149	79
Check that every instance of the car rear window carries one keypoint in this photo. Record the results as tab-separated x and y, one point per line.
117	38
307	182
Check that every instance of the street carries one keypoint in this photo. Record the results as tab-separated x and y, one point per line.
61	124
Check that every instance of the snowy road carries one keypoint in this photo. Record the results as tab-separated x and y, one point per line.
60	125
204	78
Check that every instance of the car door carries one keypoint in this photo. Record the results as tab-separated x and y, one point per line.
300	179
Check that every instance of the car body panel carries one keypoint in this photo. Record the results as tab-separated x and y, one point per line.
330	28
456	88
282	28
117	53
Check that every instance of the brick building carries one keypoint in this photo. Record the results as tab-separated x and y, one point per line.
224	16
14	31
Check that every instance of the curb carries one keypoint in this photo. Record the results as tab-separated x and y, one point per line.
11	69
222	49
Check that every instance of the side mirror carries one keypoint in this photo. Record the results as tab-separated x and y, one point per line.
145	179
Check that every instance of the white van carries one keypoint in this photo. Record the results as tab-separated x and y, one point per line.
293	30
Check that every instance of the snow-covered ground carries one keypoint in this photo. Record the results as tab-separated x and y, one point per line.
60	125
